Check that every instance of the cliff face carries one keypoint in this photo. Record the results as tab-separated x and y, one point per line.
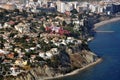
59	65
82	59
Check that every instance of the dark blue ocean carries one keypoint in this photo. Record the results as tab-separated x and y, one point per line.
107	45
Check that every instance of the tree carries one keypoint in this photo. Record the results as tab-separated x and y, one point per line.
42	29
16	10
39	58
12	34
2	45
80	16
84	45
55	61
63	23
74	11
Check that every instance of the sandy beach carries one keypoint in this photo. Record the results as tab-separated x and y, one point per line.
106	22
75	71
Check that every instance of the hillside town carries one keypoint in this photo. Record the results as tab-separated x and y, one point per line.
48	35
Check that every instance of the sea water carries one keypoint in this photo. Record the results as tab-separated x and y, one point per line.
107	45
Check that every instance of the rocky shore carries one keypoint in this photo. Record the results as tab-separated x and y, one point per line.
77	70
78	62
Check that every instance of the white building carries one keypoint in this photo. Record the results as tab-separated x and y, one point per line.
60	6
1	26
52	5
22	28
96	8
74	4
100	9
1	51
93	8
85	4
68	7
6	25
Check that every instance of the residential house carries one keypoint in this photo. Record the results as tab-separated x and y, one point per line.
48	55
42	54
2	56
68	7
9	6
11	22
69	40
21	62
1	26
14	71
18	50
82	22
33	56
93	7
100	9
54	51
22	28
2	51
7	61
10	55
6	25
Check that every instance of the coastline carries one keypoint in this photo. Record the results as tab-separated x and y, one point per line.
75	71
99	24
96	25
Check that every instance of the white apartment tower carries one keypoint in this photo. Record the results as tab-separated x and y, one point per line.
60	6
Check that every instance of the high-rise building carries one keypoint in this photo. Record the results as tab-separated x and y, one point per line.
60	6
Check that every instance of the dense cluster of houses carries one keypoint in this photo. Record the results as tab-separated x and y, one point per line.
30	35
29	39
56	29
